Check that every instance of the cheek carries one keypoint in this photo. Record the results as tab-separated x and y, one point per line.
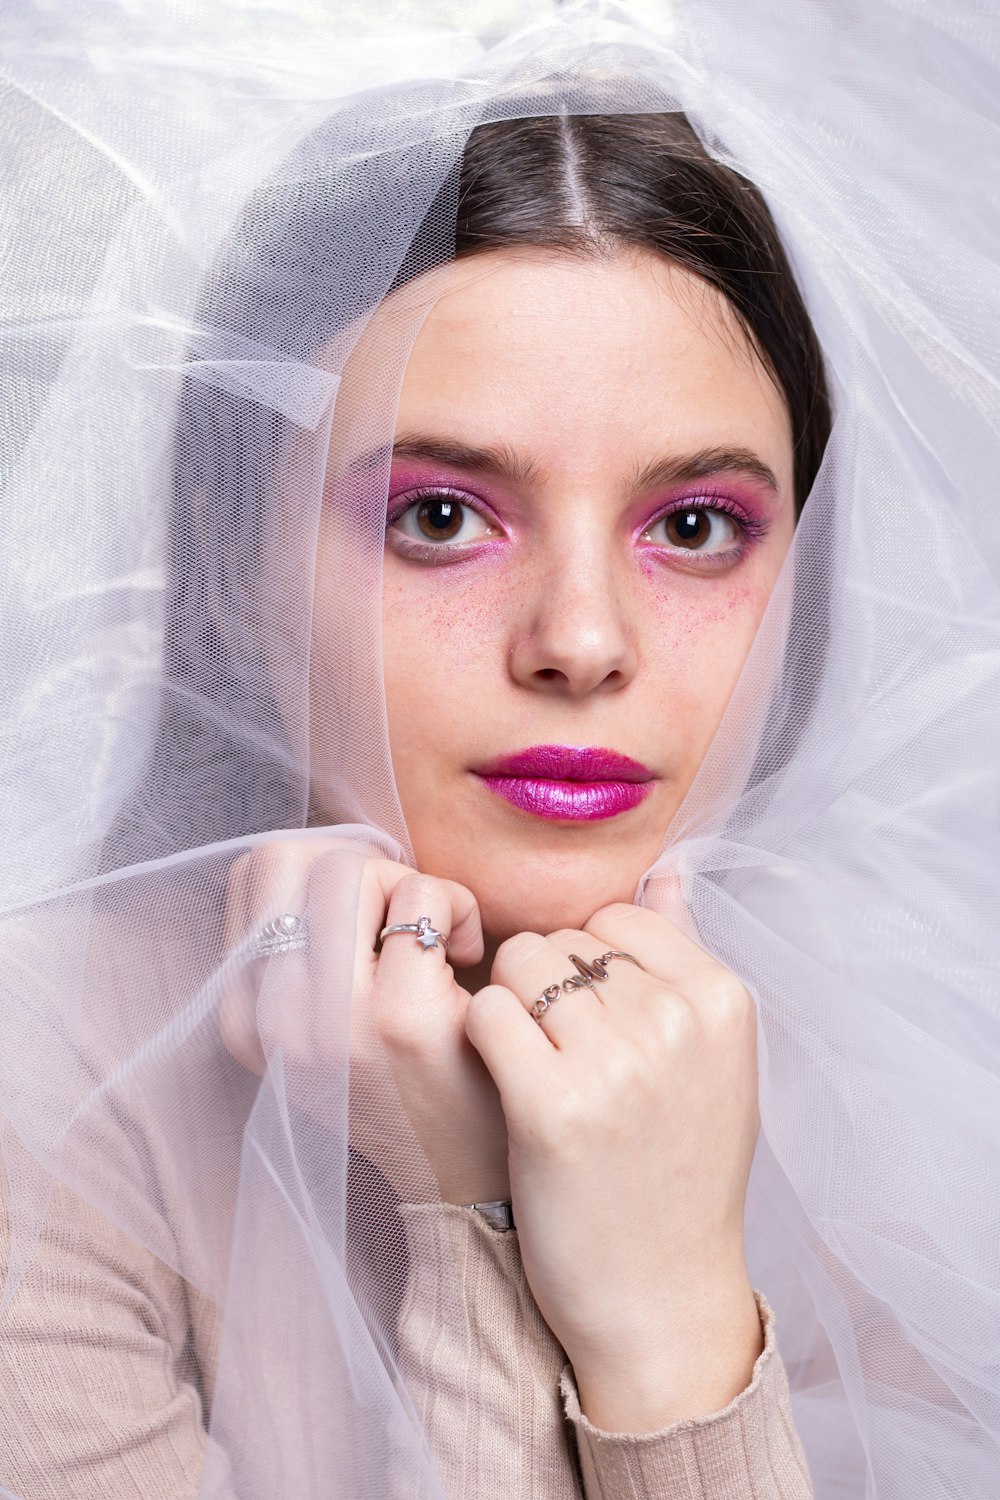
697	642
718	616
417	616
464	607
441	648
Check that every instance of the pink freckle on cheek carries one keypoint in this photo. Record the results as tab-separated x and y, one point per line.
743	599
686	613
462	612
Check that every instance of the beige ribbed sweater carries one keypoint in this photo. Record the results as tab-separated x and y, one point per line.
108	1360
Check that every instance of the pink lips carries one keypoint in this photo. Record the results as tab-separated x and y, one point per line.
579	783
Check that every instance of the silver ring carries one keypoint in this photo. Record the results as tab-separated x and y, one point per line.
586	974
285	934
427	936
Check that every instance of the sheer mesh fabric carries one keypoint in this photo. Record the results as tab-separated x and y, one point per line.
205	206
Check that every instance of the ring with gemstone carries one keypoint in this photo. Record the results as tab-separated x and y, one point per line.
426	934
285	934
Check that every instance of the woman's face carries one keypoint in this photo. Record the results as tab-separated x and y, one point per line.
590	500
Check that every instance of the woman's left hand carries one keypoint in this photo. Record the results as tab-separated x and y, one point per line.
632	1117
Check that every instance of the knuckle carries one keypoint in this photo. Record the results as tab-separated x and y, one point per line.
417	887
396	1033
624	1054
521	946
617	912
282	857
728	1002
678	1019
256	873
240	881
566	936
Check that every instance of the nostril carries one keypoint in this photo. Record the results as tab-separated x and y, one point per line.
613	679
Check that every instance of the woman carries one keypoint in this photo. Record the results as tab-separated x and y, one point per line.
564	553
581	445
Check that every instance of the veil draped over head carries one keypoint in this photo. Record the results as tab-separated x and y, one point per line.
205	203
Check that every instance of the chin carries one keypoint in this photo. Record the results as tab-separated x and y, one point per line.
546	901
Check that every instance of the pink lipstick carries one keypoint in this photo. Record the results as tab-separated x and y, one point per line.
568	782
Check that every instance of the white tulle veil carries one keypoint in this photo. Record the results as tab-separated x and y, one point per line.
205	203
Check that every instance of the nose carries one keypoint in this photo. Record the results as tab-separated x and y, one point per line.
576	635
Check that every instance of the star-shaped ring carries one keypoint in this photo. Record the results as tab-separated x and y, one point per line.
427	935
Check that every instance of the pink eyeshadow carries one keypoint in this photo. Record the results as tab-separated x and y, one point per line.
405	478
756	508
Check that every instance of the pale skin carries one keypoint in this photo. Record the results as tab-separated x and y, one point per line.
623	1123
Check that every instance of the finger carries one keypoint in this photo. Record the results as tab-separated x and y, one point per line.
266	894
462	924
549	987
413	974
452	910
261	884
511	1045
617	976
656	941
381	876
676	960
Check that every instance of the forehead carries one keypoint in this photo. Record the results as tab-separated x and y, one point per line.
589	361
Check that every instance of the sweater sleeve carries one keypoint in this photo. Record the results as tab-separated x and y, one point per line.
748	1451
493	1391
99	1392
479	1364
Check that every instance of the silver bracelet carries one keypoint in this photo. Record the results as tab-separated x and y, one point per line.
498	1213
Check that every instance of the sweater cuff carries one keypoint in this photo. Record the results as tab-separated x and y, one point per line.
747	1451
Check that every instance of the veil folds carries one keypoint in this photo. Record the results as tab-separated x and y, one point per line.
208	202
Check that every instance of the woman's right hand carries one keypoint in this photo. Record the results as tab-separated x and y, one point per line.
413	1071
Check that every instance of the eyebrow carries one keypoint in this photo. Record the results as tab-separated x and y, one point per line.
505	463
682	468
501	461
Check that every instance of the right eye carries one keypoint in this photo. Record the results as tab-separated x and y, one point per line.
440	517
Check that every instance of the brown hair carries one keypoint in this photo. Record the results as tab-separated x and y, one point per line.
581	183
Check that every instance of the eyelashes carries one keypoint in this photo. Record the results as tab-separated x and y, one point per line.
433	518
690	524
441	526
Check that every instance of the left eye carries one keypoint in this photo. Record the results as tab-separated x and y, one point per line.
442	518
696	528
